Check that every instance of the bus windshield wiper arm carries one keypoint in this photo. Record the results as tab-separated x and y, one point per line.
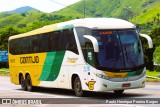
126	53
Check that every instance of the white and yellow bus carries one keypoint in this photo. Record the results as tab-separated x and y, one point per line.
91	54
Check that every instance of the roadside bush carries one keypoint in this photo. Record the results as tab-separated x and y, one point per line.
157	68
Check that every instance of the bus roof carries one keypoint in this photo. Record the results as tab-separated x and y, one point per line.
100	23
94	23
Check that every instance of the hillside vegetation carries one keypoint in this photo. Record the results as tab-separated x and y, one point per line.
138	11
21	20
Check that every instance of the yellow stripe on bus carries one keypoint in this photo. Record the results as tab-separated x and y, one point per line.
44	29
115	75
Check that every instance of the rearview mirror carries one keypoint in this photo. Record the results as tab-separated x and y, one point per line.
94	42
148	39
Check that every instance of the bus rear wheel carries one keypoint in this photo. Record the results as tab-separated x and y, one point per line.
78	87
118	91
23	83
29	83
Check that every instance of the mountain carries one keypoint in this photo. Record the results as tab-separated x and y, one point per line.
136	11
15	19
26	16
22	15
23	9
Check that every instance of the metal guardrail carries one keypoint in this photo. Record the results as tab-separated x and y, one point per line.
152	77
4	71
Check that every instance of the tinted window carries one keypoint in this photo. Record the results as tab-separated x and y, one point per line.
15	46
52	41
25	42
11	47
34	44
70	43
42	42
49	42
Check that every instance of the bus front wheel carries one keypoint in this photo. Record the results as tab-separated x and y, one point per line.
78	87
118	91
23	83
29	83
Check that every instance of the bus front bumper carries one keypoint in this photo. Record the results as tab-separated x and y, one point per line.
107	85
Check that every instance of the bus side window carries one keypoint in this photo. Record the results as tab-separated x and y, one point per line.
71	42
56	41
42	43
12	46
49	42
18	46
34	44
25	45
15	47
63	40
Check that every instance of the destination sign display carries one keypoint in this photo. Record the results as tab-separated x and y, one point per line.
105	32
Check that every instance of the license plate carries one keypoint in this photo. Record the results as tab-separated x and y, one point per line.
126	85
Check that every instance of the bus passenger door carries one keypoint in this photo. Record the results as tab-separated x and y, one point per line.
89	68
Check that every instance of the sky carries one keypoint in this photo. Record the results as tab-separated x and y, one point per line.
42	5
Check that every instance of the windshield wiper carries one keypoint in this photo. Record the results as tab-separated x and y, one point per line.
126	52
122	51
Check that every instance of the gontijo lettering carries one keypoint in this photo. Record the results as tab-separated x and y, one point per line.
72	60
29	59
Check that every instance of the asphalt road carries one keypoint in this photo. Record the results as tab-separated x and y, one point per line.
61	97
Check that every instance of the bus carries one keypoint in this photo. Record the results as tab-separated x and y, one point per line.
90	54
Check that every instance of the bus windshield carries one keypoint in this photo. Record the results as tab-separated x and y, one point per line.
119	49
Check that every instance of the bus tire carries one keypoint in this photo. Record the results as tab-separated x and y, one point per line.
78	87
23	83
29	83
118	91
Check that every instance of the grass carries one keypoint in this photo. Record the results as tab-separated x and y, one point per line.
6	69
10	20
3	72
152	80
149	15
154	74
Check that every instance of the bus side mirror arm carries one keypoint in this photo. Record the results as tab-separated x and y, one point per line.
94	42
150	43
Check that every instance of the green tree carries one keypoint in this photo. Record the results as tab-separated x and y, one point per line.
156	55
158	18
5	33
155	35
149	53
23	14
21	25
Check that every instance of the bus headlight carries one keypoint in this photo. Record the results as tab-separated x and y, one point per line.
102	76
